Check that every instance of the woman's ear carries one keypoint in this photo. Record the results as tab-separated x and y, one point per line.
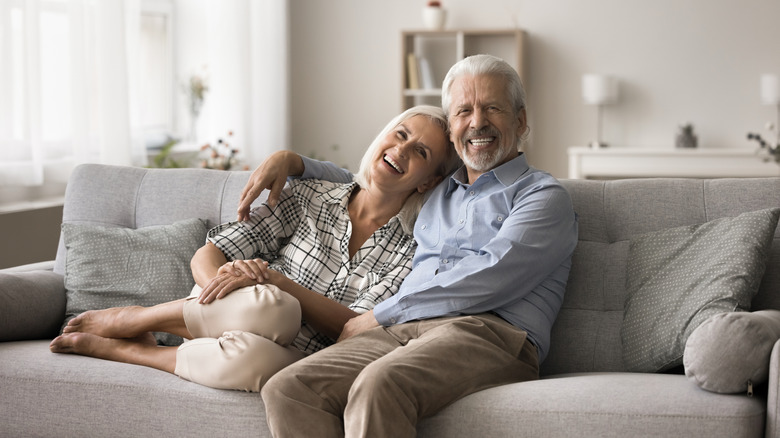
432	182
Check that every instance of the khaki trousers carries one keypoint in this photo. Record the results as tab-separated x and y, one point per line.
241	340
382	382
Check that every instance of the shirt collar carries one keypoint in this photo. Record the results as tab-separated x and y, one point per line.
339	194
506	173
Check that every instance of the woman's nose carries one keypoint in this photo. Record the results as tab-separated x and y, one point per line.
403	149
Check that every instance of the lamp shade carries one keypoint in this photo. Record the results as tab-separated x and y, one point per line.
599	89
770	89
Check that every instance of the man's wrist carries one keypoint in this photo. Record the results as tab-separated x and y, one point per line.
295	163
383	315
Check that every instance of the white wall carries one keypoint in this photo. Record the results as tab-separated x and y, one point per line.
678	61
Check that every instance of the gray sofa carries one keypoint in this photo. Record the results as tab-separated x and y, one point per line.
585	390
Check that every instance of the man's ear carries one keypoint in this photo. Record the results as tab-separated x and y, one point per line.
432	182
522	123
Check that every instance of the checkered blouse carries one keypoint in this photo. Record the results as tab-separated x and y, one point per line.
306	237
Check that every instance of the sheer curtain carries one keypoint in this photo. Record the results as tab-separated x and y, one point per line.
246	52
65	88
71	91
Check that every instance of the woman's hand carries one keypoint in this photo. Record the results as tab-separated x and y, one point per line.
234	275
223	284
270	174
256	269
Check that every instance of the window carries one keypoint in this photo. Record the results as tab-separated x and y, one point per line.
156	87
82	81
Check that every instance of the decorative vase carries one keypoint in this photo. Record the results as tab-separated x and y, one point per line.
192	135
685	137
434	17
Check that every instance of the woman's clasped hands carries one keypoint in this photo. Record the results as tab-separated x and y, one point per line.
234	275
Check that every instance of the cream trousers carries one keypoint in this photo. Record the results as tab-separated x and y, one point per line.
241	340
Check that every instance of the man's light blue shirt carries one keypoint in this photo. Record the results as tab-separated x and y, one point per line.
502	244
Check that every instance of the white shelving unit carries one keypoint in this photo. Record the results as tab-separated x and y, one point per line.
441	49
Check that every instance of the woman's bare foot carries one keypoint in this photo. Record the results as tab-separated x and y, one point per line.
116	322
142	350
131	321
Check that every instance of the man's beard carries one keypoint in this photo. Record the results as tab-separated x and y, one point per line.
483	161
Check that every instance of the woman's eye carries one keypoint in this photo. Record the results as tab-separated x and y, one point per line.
422	152
402	135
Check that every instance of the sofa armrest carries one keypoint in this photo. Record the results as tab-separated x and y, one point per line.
773	392
32	304
37	266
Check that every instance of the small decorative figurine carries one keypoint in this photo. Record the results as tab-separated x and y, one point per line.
685	137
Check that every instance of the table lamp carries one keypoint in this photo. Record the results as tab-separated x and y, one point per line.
599	90
770	95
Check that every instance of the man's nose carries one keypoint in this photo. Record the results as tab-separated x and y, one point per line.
478	119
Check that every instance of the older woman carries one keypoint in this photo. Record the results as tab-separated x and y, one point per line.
282	284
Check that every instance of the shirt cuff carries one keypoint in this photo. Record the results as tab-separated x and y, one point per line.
314	169
385	314
311	169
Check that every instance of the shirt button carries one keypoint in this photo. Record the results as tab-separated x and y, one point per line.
500	218
424	227
472	193
460	221
445	261
392	320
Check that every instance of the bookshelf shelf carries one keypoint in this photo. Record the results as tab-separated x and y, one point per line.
428	55
423	92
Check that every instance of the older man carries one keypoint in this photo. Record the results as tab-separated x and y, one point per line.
495	244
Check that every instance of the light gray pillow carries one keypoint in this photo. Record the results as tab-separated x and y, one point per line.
112	267
730	349
679	277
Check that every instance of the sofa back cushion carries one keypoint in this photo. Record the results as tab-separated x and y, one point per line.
586	335
131	197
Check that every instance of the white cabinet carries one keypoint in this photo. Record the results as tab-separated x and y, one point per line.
625	162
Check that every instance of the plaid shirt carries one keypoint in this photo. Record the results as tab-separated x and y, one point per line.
306	238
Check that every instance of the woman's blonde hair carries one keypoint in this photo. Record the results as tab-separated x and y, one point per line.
413	204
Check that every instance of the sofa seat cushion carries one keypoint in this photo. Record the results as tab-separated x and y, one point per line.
70	395
600	405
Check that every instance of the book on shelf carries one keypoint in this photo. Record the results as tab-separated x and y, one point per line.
426	74
412	72
419	73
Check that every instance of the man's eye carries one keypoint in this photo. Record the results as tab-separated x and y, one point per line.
402	135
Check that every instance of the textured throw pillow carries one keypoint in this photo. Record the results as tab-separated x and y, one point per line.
112	267
679	277
730	349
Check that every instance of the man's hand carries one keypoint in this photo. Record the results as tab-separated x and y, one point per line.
358	325
271	174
